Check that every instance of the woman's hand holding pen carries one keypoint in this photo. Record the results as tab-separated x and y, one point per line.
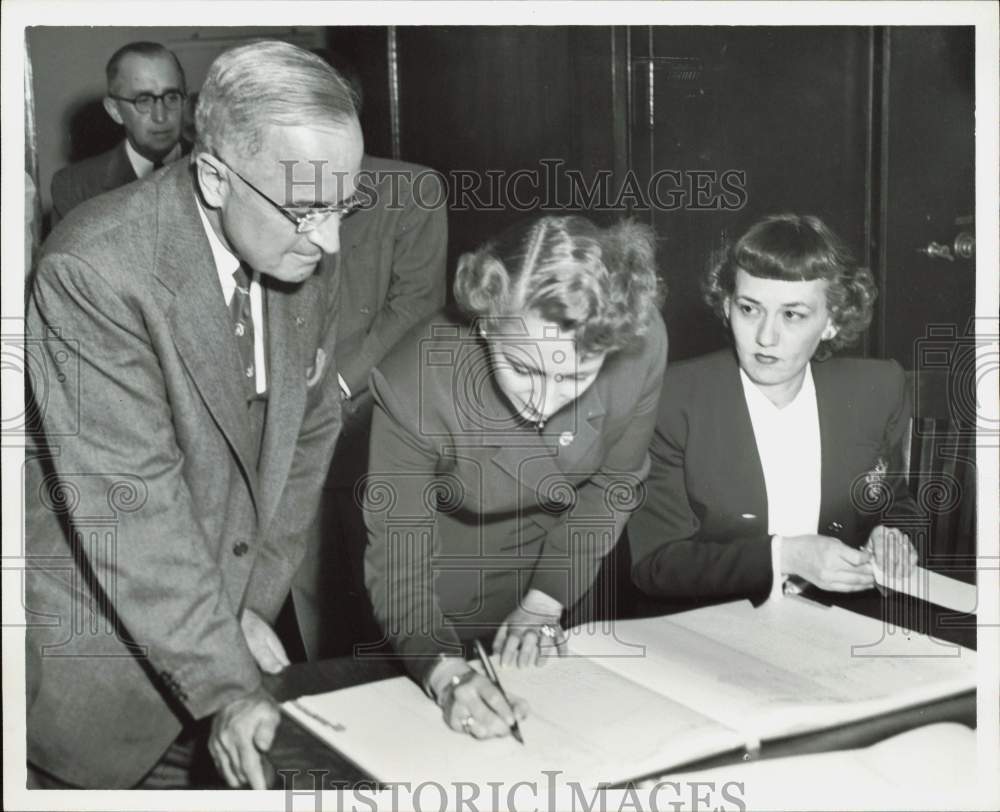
474	705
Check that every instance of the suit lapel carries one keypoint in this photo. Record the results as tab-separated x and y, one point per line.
738	445
198	316
831	432
286	397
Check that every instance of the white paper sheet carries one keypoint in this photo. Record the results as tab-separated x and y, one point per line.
933	588
585	722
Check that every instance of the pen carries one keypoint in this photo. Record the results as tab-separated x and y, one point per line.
491	673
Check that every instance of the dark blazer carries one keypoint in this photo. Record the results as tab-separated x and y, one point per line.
156	516
467	509
392	270
702	530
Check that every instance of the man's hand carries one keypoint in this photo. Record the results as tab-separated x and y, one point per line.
263	643
241	731
827	562
892	551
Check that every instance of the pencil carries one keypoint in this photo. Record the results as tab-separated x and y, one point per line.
491	673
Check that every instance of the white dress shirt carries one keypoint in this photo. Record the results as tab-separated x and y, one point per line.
226	264
142	166
788	442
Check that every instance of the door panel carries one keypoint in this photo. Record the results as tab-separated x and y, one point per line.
787	107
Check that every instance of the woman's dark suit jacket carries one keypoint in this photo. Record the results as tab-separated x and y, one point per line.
702	530
467	509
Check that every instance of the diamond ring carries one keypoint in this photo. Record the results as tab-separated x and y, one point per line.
549	630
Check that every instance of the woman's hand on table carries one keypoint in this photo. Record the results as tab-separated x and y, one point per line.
527	637
827	562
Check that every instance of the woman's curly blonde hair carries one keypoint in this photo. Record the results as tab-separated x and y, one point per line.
599	284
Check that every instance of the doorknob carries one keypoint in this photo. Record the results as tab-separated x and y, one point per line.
964	247
936	250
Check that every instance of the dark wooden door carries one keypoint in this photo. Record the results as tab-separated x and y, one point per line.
925	197
751	121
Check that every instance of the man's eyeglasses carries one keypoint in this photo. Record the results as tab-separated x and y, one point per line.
312	216
145	102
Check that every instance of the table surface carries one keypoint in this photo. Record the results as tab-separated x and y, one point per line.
302	762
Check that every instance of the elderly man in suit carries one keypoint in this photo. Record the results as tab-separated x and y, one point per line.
188	433
146	92
392	270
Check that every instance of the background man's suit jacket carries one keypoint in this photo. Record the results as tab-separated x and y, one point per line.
467	508
392	275
152	524
89	178
702	530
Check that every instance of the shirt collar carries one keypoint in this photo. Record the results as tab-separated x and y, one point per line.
226	262
759	403
142	166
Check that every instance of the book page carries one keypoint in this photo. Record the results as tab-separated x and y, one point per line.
585	723
788	666
931	767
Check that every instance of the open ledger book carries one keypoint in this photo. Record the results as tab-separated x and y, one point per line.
644	696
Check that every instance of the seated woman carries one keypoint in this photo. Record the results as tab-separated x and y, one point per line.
771	462
508	447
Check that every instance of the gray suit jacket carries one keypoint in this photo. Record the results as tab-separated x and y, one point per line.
150	522
89	178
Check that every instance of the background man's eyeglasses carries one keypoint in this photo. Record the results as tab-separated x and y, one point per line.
312	216
145	102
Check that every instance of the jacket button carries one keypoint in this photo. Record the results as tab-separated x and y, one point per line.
240	548
365	310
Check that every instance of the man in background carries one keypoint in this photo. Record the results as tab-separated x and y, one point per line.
184	348
146	92
392	275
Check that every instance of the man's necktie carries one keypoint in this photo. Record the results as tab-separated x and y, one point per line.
239	312
157	164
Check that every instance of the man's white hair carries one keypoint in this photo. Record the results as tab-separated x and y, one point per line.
267	83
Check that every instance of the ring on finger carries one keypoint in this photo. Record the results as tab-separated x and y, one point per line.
550	631
467	723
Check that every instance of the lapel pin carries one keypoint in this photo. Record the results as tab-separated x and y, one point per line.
566	438
299	321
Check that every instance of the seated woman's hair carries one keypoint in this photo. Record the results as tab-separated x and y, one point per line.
599	284
798	248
